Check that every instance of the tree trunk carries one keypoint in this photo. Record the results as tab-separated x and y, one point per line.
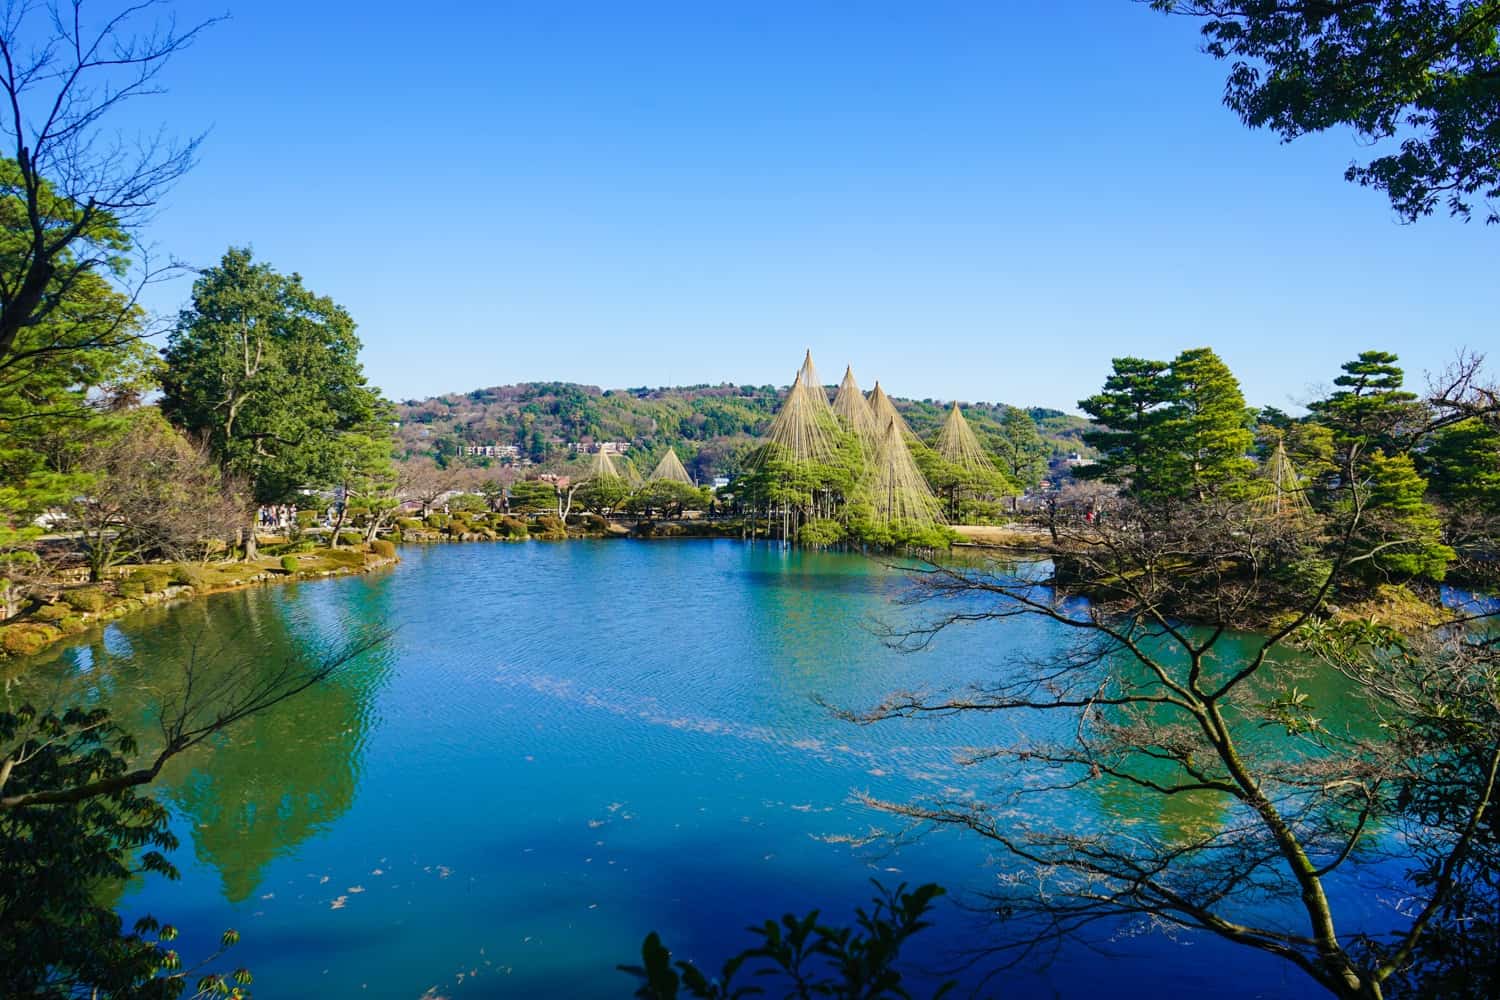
248	535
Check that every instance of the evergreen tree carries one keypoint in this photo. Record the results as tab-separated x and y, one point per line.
1369	409
1206	433
1400	531
269	374
1127	417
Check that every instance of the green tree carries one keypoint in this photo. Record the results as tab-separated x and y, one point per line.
1400	530
1369	409
1127	416
269	374
1414	77
1206	432
1021	448
1462	464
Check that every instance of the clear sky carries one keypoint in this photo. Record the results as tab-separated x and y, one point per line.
981	201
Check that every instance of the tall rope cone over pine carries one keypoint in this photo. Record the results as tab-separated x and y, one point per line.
670	469
1284	493
958	444
899	491
853	409
885	411
811	384
804	427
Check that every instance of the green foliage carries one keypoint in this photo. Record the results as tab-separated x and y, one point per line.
383	548
268	373
821	533
512	527
468	503
551	527
51	613
437	521
85	598
307	518
351	538
410	524
24	640
347	558
806	957
1462	464
289	564
1414	77
603	494
153	578
1170	431
1400	527
1369	410
188	575
132	588
63	863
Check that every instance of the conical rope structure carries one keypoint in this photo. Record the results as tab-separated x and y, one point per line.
885	411
1285	495
958	445
898	489
803	430
808	375
631	474
670	469
602	466
851	406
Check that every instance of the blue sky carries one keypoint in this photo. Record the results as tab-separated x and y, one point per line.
975	201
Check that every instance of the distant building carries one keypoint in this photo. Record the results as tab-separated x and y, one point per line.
491	450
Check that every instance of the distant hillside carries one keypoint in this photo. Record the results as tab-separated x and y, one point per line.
715	425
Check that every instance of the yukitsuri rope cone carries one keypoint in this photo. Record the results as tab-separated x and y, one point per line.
900	492
851	406
808	375
631	474
670	469
885	411
959	446
1286	497
602	466
803	429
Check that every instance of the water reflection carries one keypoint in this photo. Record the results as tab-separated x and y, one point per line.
270	782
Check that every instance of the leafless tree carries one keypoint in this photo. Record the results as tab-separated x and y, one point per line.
151	493
423	480
1172	713
73	194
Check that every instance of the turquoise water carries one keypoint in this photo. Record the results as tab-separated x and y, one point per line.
565	746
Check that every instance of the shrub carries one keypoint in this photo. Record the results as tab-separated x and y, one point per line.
51	613
437	521
132	588
289	564
512	527
188	575
351	538
345	557
409	524
154	580
383	548
595	522
551	526
84	599
23	640
307	518
821	533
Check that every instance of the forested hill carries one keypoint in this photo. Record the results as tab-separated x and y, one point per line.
714	425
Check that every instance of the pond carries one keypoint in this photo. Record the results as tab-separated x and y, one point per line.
565	746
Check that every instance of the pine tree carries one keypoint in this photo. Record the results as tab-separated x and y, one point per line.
1127	418
1206	433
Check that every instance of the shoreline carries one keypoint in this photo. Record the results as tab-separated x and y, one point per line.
36	631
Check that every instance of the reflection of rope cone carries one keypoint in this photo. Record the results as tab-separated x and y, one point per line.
958	445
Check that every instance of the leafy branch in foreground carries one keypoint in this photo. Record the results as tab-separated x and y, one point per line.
806	958
76	826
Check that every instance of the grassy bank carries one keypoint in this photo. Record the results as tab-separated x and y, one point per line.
69	610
